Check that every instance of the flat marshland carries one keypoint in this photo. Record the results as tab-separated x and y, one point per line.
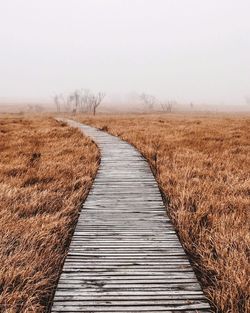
202	166
46	170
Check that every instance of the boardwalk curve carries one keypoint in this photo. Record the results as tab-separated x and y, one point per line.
125	255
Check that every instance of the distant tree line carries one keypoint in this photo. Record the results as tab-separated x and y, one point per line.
150	101
84	101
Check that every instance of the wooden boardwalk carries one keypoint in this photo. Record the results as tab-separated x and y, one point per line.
125	255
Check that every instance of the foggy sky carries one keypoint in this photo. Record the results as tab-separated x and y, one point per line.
186	50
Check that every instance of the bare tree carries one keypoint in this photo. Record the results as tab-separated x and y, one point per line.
148	100
67	104
94	100
85	101
57	103
74	99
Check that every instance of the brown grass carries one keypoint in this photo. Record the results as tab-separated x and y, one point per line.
202	165
46	170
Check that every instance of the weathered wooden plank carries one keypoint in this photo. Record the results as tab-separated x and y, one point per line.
125	255
161	298
150	274
134	308
123	271
134	287
119	263
131	293
127	302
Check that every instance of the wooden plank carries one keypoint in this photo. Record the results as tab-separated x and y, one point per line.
144	302
134	308
125	255
131	293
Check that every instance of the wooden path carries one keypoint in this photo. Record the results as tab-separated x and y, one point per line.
125	255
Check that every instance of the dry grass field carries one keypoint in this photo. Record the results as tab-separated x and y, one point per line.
46	170
202	166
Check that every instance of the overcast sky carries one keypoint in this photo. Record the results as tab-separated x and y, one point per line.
187	50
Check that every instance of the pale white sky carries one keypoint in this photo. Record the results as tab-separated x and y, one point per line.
188	50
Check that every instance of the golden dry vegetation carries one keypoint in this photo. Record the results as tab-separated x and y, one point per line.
46	170
202	166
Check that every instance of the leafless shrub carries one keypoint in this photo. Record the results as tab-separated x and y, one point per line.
167	106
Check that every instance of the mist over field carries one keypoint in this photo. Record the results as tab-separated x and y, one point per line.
124	156
186	51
